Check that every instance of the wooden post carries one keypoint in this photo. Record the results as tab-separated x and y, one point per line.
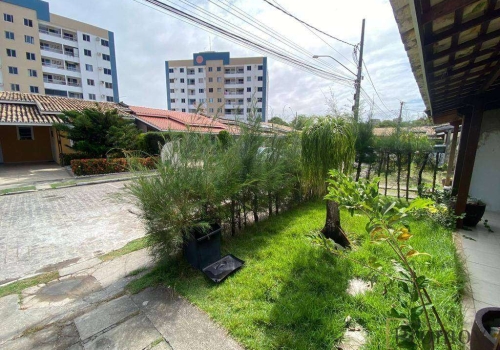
451	157
473	132
461	154
435	173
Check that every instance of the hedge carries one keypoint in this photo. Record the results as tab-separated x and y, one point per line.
152	142
68	157
107	166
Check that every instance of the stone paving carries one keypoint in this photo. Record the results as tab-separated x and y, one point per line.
87	308
18	175
43	230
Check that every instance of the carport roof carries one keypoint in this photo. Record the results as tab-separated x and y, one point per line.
25	114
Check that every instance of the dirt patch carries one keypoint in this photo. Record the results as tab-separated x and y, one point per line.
58	266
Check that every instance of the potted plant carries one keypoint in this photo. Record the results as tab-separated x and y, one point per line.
474	211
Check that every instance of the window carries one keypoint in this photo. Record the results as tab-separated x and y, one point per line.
201	91
106	57
8	18
259	89
9	35
108	85
13	70
172	100
89	68
91	82
14	87
210	80
210	100
183	100
32	73
210	69
109	98
29	39
219	110
182	80
219	89
30	56
104	42
183	90
184	109
200	70
211	110
249	89
171	81
107	71
24	133
259	110
11	53
219	69
259	78
249	78
86	37
259	99
249	67
219	79
87	52
92	96
172	91
181	70
249	99
211	90
259	67
170	70
200	80
28	22
219	100
202	100
34	89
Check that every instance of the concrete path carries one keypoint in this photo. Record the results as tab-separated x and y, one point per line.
18	175
87	308
43	230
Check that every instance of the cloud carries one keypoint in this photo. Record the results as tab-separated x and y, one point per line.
145	38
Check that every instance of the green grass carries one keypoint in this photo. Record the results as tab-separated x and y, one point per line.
130	247
292	295
63	184
19	286
17	189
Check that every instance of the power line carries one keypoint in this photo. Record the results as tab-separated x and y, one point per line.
305	23
373	85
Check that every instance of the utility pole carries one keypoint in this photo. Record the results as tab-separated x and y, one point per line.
400	112
355	108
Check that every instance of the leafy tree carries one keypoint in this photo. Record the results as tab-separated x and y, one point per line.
300	122
328	144
364	145
278	120
95	132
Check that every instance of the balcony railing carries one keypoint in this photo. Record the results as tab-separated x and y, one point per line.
50	65
71	53
234	93
240	71
69	37
71	83
73	69
234	82
45	31
54	81
51	49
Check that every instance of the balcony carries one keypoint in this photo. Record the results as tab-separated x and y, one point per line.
234	92
54	81
51	49
69	36
234	82
74	83
234	71
71	53
51	32
52	65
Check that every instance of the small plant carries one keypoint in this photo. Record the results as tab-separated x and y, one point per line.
487	226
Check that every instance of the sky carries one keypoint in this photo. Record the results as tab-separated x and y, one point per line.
145	38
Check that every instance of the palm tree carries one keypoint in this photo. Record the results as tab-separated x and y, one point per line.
328	144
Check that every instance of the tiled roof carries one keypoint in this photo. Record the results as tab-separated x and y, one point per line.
179	121
427	130
25	114
61	104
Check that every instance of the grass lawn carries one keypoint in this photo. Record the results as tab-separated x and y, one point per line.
130	247
292	295
17	189
18	286
63	184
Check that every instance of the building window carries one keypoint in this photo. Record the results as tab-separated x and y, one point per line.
86	37
170	70
109	98
29	39
200	80
219	100
171	81
15	87
183	90
172	91
183	100
104	42
210	80
106	57
91	82
184	110
219	110
11	53
9	35
201	91
13	70
30	56
210	110
249	99
249	67
219	89
259	67
259	99
249	78
182	80
210	100
210	69
249	89
87	52
107	71
202	100
28	22
200	70
32	73
211	90
34	89
108	85
89	68
219	69
8	18
92	96
25	133
259	89
172	100
181	70
219	80
259	78
259	110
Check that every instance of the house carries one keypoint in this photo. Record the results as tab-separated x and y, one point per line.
27	133
454	49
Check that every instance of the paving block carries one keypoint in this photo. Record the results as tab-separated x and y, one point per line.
84	265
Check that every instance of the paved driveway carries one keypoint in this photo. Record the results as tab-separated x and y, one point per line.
43	228
18	175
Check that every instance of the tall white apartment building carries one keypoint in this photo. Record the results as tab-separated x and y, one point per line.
222	86
41	52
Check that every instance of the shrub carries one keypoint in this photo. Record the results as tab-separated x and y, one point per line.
107	166
152	142
68	157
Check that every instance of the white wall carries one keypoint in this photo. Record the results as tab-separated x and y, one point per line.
485	183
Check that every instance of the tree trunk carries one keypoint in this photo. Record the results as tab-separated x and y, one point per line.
358	169
380	164
398	160
277	203
435	173
255	208
386	172
408	171
244	214
368	173
270	203
233	217
332	227
239	216
419	180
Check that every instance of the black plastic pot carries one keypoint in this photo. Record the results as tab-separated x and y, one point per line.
480	337
202	247
473	214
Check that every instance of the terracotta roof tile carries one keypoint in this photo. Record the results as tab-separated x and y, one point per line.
25	114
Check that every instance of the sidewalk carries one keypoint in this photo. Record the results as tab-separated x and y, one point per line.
88	308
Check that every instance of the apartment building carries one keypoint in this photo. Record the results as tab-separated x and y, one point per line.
44	53
220	85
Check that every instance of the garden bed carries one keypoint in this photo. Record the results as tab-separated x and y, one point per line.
292	295
100	166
